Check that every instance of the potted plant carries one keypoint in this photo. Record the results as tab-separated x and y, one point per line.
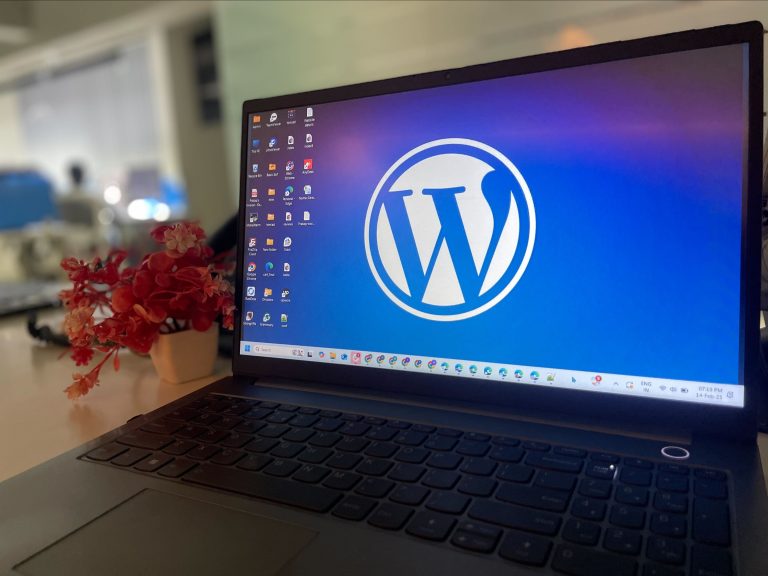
174	294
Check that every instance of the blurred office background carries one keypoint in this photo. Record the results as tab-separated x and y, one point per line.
117	114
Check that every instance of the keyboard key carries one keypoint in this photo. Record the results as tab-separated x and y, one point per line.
668	502
342	480
635	477
657	570
325	439
555	480
330	413
107	452
711	522
450	432
534	497
314	455
203	452
412	455
568	451
180	447
390	516
343	461
507	453
516	517
131	457
235	440
145	440
478	436
382	450
707	474
473	448
604	457
281	468
329	424
666	551
601	470
479	466
444	460
579	561
183	414
669	525
708	488
409	494
354	508
505	441
206	418
350	444
166	427
631	495
708	561
476	486
537	446
212	436
354	428
227	422
638	463
153	463
448	502
678	469
588	509
298	435
261	445
258	413
273	430
476	537
442	479
383	433
672	483
627	516
555	462
227	457
288	407
374	467
254	462
515	473
406	472
581	532
304	420
311	473
622	541
374	487
250	426
190	431
595	488
431	526
375	420
287	450
411	438
308	410
399	424
176	468
443	443
526	549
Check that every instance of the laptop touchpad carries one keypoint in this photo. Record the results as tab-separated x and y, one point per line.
158	533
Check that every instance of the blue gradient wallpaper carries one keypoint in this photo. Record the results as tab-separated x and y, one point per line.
635	169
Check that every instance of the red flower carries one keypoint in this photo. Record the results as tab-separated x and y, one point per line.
174	289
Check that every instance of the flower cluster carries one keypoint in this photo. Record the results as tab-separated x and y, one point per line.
111	306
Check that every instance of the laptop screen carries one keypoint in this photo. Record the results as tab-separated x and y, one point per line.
576	228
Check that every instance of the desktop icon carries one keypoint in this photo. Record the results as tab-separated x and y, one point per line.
287	242
285	293
284	318
267	292
459	367
356	357
255	168
289	166
286	267
272	142
256	119
272	167
308	164
406	361
251	266
321	354
344	356
503	372
418	363
273	117
288	191
307	189
266	317
290	140
473	369
550	377
269	266
251	242
254	193
248	316
270	242
333	355
392	360
518	374
270	216
271	192
596	379
310	112
288	216
368	358
250	291
253	217
291	114
379	358
308	139
248	346
255	143
431	364
306	215
631	385
444	366
487	370
535	375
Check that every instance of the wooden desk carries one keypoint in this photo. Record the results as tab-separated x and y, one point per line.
37	422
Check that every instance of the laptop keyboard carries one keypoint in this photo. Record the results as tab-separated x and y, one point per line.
578	512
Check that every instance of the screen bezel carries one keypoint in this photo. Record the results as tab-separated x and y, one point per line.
654	414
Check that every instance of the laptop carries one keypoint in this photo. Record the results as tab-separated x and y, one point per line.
495	320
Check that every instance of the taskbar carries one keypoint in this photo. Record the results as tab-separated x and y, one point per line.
628	385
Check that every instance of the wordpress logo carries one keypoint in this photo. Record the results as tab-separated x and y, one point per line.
450	229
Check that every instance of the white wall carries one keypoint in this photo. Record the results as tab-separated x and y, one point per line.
12	151
271	48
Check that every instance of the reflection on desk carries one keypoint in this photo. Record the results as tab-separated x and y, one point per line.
38	422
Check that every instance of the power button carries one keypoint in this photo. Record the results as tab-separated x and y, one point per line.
675	453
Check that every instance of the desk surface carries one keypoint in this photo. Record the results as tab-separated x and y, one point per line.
38	422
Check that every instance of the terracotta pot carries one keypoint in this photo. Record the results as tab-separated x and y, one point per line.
187	355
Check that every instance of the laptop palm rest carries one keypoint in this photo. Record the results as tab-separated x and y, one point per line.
154	533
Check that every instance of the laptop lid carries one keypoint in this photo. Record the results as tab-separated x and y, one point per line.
575	232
